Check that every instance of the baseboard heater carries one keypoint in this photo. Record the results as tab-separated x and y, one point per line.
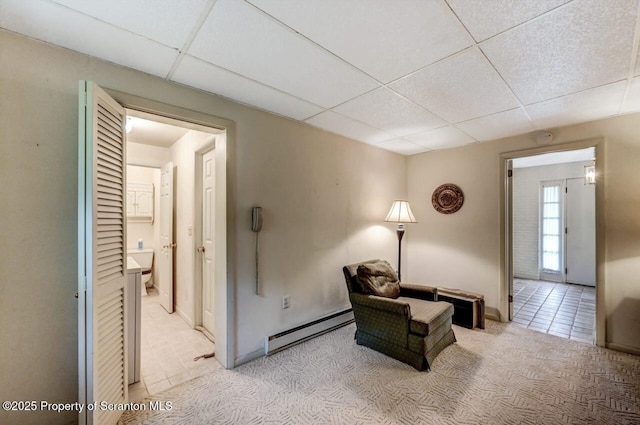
286	339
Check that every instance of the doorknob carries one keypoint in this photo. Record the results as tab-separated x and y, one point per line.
201	249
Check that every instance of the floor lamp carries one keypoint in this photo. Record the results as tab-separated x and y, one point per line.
400	213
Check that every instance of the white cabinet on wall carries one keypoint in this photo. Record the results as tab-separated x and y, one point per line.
140	202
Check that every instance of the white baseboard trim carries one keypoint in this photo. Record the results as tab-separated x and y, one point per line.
287	338
184	316
249	357
624	348
492	314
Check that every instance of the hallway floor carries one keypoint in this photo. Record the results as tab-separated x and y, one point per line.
561	309
168	347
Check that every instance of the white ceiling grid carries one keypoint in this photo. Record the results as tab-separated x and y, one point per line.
632	103
203	75
485	19
459	88
385	39
407	76
496	126
337	123
587	105
388	111
441	138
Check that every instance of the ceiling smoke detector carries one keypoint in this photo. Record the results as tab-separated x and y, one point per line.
544	137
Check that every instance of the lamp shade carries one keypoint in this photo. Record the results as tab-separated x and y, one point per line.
400	213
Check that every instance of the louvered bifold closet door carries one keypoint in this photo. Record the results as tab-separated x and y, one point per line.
107	274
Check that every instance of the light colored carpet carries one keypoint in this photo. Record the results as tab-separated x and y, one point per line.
502	375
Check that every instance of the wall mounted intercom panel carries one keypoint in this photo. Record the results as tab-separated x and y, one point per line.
256	219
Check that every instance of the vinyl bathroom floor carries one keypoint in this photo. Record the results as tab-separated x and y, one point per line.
168	349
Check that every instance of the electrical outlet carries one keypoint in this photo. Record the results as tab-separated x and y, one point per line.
286	301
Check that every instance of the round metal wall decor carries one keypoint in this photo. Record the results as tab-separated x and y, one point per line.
447	198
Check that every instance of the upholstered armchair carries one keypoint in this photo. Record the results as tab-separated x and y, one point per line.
401	320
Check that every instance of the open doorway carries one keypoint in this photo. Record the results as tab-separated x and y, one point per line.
554	249
105	322
552	272
163	239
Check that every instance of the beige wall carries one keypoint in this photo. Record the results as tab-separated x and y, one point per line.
324	198
462	250
324	202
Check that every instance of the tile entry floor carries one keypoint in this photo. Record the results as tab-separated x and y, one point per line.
561	309
168	347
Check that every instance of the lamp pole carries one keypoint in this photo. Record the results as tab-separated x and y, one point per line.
400	232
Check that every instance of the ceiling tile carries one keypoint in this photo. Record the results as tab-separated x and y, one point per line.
485	18
44	21
386	40
580	107
388	111
240	38
585	44
632	102
459	88
167	21
497	126
196	73
347	127
402	147
441	138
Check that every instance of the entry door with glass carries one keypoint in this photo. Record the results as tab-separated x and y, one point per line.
551	231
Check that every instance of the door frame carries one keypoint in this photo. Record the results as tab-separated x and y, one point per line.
198	280
225	205
506	234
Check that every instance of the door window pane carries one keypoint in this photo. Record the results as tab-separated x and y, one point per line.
551	228
551	210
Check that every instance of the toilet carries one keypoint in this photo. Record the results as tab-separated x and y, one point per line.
144	257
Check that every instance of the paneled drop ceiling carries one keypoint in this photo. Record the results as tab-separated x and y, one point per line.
408	76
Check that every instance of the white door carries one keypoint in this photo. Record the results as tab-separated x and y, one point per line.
581	232
102	274
208	239
165	257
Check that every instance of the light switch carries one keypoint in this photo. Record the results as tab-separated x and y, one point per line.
190	230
